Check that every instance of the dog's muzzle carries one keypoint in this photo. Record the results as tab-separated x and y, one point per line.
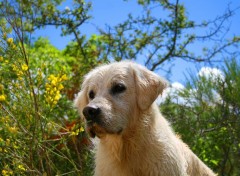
92	115
95	122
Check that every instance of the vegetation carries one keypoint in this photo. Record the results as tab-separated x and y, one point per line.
40	131
206	114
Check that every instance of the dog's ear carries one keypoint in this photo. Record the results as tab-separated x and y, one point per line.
148	86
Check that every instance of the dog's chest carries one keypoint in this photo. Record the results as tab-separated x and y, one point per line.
122	160
117	159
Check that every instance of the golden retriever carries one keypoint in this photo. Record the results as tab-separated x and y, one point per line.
117	101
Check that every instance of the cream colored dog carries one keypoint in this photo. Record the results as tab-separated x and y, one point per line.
117	101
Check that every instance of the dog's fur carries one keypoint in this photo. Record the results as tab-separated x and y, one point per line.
134	138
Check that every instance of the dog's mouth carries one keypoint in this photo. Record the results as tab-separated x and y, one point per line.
95	129
92	133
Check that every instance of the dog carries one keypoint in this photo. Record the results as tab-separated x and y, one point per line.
118	103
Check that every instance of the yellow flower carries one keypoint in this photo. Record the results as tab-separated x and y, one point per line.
13	130
15	146
21	167
60	87
24	67
10	41
2	98
13	46
53	88
81	129
57	97
19	73
4	172
47	85
54	82
51	92
14	67
73	133
64	77
51	77
7	172
1	58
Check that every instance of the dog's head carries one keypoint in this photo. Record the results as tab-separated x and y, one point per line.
112	93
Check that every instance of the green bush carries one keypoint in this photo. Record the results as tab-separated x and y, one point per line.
40	132
208	119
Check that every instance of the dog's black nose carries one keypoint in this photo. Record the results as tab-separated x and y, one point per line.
91	112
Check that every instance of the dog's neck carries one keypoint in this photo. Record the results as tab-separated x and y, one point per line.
125	152
132	139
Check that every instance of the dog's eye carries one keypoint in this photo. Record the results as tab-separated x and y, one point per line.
118	88
91	95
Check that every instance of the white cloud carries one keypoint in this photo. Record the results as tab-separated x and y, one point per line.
171	91
211	73
214	75
67	8
177	86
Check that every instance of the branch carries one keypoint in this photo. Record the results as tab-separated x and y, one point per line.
172	49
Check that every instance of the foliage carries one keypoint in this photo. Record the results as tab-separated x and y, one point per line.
207	116
84	60
36	137
163	33
159	35
40	132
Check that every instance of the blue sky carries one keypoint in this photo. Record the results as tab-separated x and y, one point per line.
111	12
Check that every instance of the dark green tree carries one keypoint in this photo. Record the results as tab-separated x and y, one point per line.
207	115
159	38
162	33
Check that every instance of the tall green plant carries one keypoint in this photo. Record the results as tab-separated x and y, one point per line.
36	137
208	117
